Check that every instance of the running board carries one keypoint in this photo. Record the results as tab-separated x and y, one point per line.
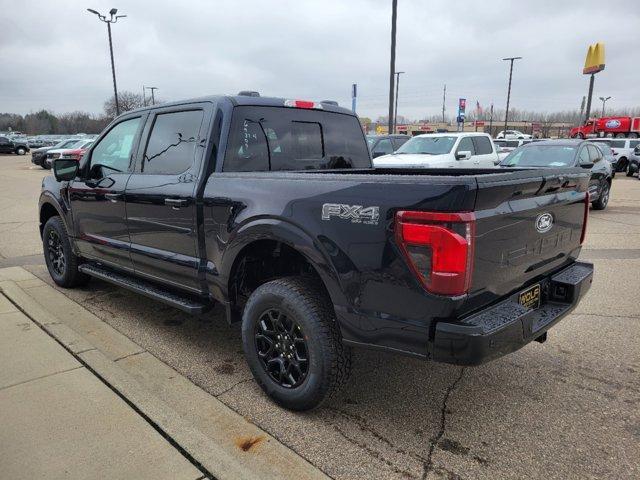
145	288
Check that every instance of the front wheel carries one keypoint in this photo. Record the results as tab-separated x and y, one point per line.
292	343
61	262
603	199
21	151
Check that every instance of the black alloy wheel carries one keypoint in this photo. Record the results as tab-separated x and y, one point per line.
282	348
56	252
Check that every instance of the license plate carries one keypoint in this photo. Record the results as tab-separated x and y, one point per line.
530	298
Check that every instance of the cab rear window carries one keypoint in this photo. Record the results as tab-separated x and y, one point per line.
281	138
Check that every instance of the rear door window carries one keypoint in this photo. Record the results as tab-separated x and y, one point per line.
634	143
482	145
172	143
617	143
281	138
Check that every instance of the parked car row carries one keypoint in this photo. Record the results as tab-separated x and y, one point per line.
13	145
44	156
478	150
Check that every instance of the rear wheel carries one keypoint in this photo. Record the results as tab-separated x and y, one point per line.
620	135
292	343
603	199
21	151
633	135
629	170
61	262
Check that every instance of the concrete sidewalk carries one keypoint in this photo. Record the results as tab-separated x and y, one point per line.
58	420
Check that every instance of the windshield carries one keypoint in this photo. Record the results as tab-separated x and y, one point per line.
428	145
371	140
65	144
541	156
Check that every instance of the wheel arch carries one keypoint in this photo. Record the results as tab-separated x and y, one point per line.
282	247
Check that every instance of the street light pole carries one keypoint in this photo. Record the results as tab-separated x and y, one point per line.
395	114
392	70
506	114
604	100
113	18
153	98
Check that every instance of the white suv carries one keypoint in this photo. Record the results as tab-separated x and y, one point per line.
513	135
622	150
443	150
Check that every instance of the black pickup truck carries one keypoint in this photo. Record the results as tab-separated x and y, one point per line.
271	207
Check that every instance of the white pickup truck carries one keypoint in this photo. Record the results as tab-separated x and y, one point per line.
443	150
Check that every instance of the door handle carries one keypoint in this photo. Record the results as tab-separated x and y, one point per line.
113	197
175	203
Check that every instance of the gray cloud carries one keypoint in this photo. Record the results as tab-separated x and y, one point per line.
56	54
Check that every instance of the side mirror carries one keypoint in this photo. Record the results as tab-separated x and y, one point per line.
65	169
587	165
463	155
377	154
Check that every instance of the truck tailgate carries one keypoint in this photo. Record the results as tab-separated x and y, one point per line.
527	225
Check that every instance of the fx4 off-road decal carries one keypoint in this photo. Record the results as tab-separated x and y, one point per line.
355	213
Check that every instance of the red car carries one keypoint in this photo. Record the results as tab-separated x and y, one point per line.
73	154
608	126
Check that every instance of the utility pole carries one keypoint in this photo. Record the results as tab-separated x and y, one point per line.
491	120
444	98
395	114
144	96
354	94
584	99
113	19
604	100
392	69
506	114
153	97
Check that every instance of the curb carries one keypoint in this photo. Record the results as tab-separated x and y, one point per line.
231	448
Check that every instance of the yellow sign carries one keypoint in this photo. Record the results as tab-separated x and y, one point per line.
594	62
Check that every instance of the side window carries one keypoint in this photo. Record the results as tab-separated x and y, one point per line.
466	144
513	144
634	143
114	150
583	156
172	143
617	143
483	145
4	140
383	147
594	153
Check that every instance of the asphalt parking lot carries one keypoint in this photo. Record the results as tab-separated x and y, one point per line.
568	408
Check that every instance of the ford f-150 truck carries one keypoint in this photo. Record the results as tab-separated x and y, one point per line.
271	207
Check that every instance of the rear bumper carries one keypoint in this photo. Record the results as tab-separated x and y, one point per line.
507	326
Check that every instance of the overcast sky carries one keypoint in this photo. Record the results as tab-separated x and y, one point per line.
55	54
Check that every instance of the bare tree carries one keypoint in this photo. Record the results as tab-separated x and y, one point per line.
127	100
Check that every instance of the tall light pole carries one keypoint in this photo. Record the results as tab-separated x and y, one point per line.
604	100
392	70
113	18
444	99
506	114
153	98
395	114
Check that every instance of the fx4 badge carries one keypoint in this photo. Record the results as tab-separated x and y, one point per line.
355	213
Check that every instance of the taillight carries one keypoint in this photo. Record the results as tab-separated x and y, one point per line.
439	248
586	217
302	104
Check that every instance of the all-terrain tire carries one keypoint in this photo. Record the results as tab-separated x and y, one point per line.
304	301
55	243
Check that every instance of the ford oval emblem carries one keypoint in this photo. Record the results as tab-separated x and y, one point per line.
612	123
544	222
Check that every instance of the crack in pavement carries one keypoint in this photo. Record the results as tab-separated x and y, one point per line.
232	387
428	465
